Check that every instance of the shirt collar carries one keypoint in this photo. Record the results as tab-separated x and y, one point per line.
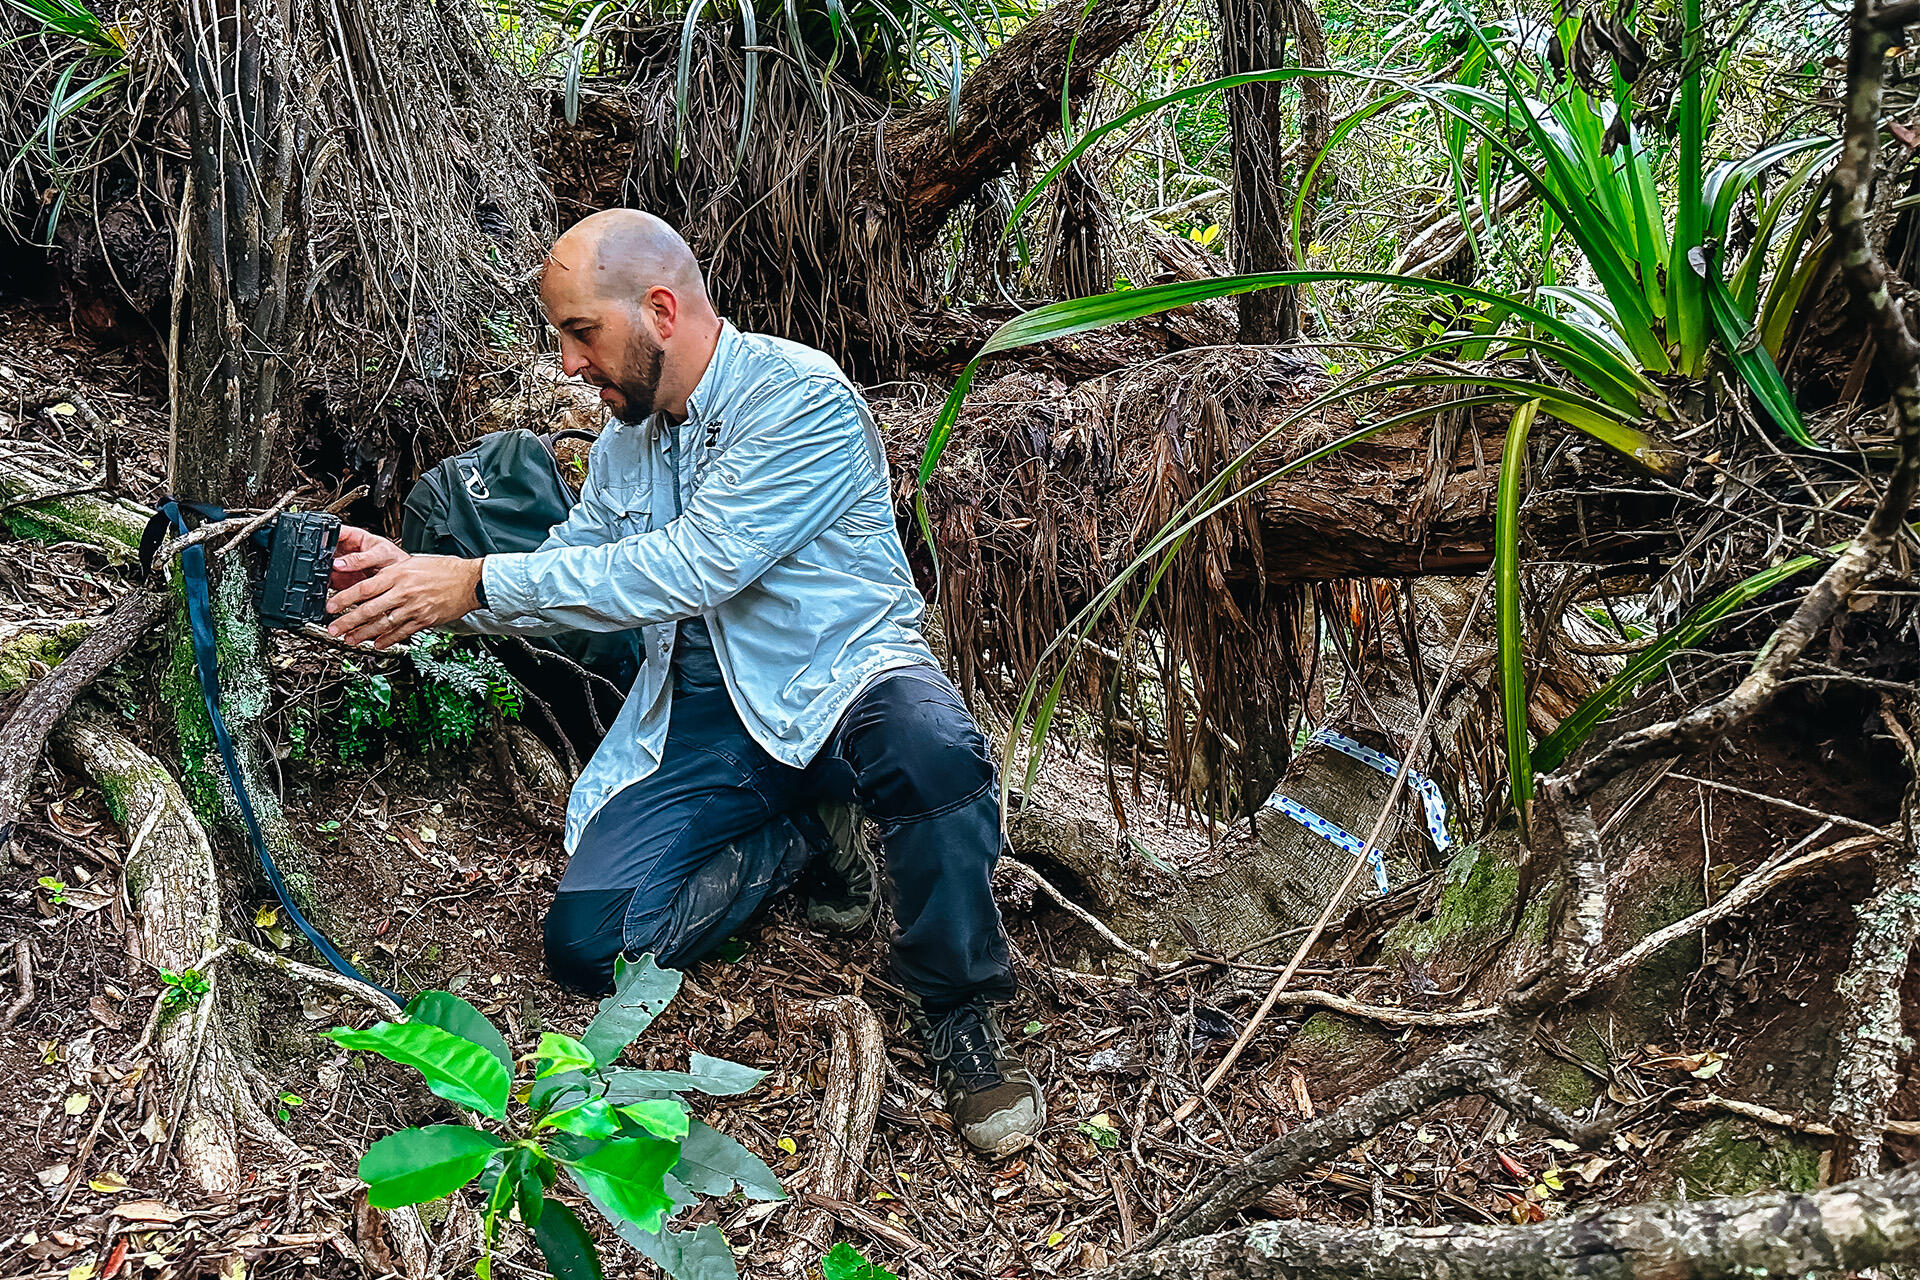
704	399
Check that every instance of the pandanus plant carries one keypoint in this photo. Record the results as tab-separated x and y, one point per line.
1665	305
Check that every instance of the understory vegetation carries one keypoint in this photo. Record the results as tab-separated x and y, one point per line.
1419	496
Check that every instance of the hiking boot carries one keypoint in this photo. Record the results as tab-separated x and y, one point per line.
844	881
993	1098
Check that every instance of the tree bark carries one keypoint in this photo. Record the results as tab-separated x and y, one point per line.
48	699
1253	37
1009	103
1861	1224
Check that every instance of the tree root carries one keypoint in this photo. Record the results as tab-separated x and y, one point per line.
175	890
1843	1229
855	1072
50	696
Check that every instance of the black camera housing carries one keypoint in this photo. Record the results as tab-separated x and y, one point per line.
293	592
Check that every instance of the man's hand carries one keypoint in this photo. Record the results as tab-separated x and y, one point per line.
406	595
360	554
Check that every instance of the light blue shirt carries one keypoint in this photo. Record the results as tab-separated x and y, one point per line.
775	527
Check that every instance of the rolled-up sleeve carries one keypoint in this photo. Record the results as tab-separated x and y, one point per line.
801	458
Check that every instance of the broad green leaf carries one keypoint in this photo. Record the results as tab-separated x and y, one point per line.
684	1255
417	1165
1689	631
564	1089
566	1244
590	1119
662	1117
640	991
627	1176
449	1012
844	1262
455	1069
1506	581
713	1076
711	1163
561	1053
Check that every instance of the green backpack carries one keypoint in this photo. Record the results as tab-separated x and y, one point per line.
504	494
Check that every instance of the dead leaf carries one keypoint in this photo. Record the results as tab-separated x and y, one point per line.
105	1013
54	1175
1301	1098
147	1211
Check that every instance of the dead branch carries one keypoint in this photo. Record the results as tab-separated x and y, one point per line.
1763	881
1478	1068
1767	1115
23	974
1086	917
48	699
313	976
1861	1224
855	1072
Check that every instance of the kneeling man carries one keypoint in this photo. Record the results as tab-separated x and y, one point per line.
737	511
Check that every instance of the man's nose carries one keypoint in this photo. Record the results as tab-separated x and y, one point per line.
572	361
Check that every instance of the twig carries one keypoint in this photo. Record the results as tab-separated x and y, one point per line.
1767	1115
1339	895
320	635
1387	1013
242	528
1735	900
34	499
23	973
1779	803
1086	917
315	976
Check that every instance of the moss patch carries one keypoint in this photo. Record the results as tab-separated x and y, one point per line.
1473	908
19	653
1733	1158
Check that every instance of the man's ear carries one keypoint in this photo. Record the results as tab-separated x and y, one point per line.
663	307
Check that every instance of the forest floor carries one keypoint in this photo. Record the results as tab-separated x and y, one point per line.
432	879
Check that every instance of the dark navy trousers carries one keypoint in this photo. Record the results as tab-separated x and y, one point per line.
679	860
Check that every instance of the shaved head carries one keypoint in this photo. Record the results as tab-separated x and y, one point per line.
630	302
619	254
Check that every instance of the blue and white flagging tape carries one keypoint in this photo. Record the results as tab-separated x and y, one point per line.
1423	786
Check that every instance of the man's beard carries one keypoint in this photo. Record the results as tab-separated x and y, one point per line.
640	384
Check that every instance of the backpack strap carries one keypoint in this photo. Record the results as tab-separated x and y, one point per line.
206	660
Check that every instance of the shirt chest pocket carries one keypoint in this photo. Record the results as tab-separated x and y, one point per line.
632	512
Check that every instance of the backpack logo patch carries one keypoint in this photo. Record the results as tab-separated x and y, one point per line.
476	486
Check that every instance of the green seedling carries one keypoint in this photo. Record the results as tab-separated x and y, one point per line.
622	1136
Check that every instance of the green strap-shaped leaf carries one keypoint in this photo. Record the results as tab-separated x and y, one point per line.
1572	731
566	1244
417	1165
590	1119
449	1012
640	991
628	1177
662	1117
455	1069
711	1163
1506	583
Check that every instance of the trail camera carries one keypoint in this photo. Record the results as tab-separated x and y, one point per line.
299	565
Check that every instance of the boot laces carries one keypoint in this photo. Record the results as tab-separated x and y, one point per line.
963	1041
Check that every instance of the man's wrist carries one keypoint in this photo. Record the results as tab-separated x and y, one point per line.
480	583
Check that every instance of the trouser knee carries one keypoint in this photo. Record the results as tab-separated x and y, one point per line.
917	752
584	933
